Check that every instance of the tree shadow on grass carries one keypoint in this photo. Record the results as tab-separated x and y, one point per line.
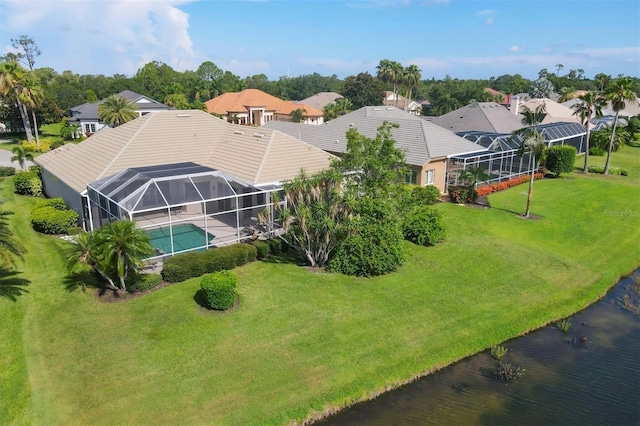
81	279
12	286
288	258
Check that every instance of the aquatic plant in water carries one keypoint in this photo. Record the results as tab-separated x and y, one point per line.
564	325
498	351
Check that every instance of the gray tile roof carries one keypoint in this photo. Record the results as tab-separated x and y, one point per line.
480	117
320	100
420	139
256	156
89	111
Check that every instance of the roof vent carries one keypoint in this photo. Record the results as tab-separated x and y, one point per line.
258	135
376	109
238	132
183	115
389	108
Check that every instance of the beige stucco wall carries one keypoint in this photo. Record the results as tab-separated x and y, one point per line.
439	167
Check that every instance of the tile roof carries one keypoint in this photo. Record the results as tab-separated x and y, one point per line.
320	100
555	112
420	139
403	102
482	117
239	102
89	111
256	156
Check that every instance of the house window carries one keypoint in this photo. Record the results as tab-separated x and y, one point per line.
411	177
429	176
89	128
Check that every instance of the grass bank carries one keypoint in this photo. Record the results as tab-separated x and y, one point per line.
300	342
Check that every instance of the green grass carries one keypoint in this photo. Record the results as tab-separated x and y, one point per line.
51	129
300	342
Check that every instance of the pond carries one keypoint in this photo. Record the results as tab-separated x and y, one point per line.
589	375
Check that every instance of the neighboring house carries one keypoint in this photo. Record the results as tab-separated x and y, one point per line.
500	98
178	167
554	112
426	145
631	109
404	104
482	117
321	100
86	115
255	107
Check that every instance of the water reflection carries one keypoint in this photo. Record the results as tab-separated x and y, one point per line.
587	376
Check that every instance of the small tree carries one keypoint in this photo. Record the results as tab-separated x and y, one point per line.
620	92
117	110
589	104
533	144
21	155
298	115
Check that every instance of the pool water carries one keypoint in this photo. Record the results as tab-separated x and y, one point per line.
186	236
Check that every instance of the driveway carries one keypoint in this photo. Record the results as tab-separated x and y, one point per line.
5	160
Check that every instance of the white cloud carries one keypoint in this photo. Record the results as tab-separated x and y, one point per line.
517	48
486	12
118	35
489	21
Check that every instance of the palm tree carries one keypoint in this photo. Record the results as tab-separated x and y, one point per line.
384	72
329	112
86	252
343	106
446	104
32	95
391	72
298	115
589	104
619	92
117	110
533	144
123	247
412	77
473	175
10	247
20	155
11	77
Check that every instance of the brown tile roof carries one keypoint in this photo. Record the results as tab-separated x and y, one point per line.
254	155
235	102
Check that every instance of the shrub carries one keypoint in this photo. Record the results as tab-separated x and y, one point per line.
50	220
462	194
262	248
45	145
174	272
217	260
74	230
7	171
422	195
560	159
424	226
596	151
57	144
57	203
275	245
220	289
490	189
375	248
23	182
612	170
143	282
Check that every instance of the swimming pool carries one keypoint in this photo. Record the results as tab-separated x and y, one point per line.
186	236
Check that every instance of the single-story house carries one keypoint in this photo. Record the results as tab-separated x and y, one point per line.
185	169
426	145
86	115
554	112
500	98
482	117
255	107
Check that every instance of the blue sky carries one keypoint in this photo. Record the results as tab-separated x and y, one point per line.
461	38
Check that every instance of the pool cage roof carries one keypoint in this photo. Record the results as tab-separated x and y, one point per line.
497	142
154	187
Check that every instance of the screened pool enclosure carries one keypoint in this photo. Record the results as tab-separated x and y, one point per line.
184	206
501	159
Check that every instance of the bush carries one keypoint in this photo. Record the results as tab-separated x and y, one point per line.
143	282
490	189
375	246
425	195
26	183
596	151
462	194
220	289
45	145
50	220
560	159
57	144
262	248
74	230
424	226
183	266
7	171
57	203
612	170
275	245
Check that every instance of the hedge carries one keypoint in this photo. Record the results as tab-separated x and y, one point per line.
220	289
28	183
143	282
50	220
424	226
7	171
262	247
560	159
612	170
183	266
490	189
425	195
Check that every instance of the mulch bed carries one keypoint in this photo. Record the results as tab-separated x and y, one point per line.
109	295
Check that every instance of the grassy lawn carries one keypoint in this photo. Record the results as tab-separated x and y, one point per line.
300	342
